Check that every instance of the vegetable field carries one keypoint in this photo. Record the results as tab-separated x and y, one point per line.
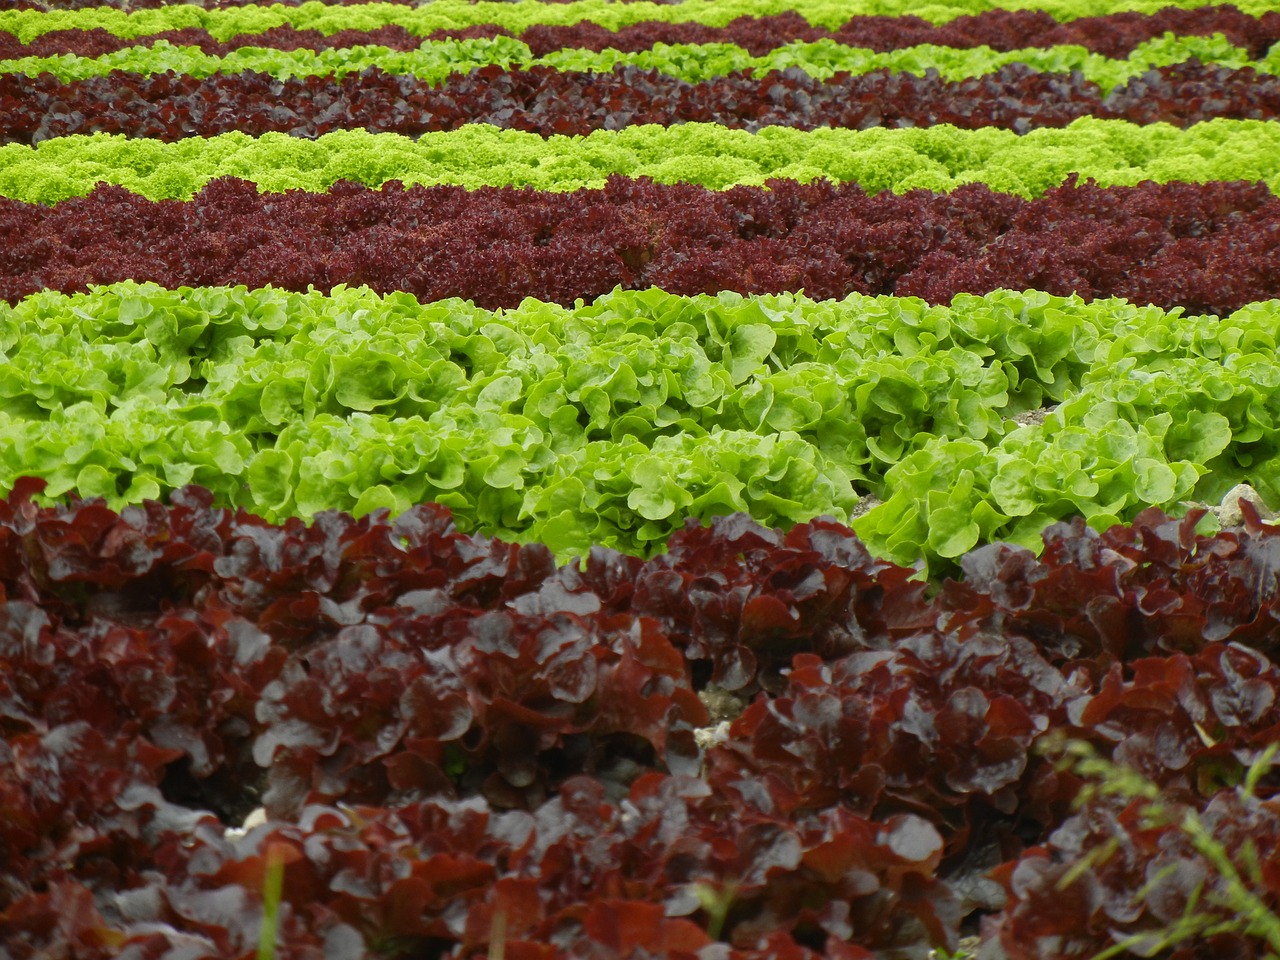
699	479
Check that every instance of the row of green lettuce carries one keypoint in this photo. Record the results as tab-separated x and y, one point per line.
225	23
435	61
941	158
610	423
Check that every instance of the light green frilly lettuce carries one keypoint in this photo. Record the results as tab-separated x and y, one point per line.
612	422
435	61
440	14
941	158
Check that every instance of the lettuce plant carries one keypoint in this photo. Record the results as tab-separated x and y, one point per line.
1114	35
939	158
459	746
435	61
611	423
519	16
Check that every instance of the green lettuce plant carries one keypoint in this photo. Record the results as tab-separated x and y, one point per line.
610	422
1112	152
227	22
435	61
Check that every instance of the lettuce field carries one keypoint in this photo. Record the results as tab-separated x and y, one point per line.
635	479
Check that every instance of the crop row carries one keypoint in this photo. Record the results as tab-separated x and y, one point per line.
435	61
1207	247
725	742
548	101
1112	35
44	5
610	424
940	158
463	747
223	24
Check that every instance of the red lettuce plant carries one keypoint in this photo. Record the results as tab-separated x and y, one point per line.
462	747
1204	247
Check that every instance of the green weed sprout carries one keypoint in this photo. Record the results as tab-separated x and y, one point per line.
1248	914
272	892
